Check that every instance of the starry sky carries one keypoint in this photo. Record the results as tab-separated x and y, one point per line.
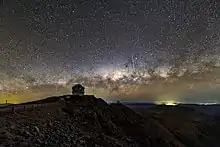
147	50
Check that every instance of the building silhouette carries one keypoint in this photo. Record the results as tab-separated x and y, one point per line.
78	90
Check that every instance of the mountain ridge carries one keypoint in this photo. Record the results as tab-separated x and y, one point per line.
89	121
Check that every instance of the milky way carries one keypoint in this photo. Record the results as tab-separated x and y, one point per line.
124	49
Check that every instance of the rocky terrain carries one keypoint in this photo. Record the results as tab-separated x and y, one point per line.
89	121
191	125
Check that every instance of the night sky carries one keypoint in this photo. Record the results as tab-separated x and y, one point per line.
137	50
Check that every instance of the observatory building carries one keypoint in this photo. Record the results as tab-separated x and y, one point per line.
78	90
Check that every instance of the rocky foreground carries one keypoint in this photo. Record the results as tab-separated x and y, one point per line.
88	121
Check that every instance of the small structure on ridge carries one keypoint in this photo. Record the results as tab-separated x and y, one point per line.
78	90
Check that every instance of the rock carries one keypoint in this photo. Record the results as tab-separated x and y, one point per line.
26	133
37	129
5	136
12	127
39	141
23	144
49	124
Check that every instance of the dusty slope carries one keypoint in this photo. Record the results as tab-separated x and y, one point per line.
191	127
84	121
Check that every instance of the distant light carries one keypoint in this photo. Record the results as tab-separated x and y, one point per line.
169	103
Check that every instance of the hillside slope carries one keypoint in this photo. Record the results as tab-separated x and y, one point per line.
188	124
85	121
